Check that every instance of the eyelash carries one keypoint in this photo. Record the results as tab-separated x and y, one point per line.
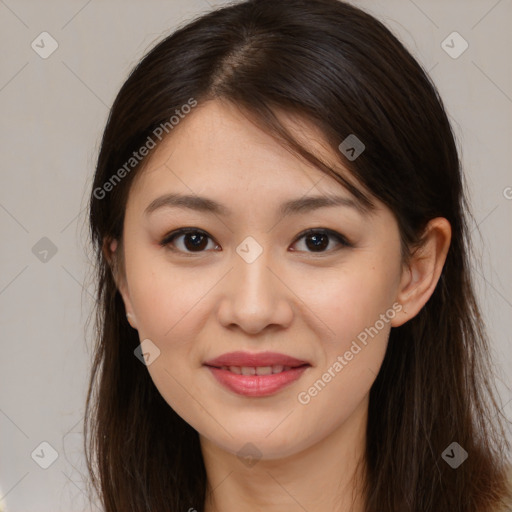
170	237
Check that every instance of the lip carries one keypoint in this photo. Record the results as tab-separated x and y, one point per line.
255	359
256	385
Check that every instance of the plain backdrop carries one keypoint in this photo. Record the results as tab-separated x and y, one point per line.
53	112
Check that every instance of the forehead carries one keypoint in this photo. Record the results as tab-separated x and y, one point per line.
217	151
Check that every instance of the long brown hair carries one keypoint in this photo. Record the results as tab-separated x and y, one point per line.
338	67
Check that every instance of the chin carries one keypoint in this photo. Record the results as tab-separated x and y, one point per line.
256	443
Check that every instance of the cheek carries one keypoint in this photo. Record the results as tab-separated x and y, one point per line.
352	299
357	307
171	309
164	298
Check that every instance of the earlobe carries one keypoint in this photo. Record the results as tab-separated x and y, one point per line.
109	248
420	277
132	320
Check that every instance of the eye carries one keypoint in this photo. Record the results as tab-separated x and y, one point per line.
194	240
316	240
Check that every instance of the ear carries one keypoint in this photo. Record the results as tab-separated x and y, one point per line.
420	276
109	251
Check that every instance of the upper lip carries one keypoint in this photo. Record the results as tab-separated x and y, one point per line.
249	359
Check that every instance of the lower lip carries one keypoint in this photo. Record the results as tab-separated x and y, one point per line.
257	385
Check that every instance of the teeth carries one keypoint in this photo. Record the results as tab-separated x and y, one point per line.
264	370
260	370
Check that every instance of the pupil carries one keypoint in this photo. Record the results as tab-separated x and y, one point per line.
318	243
197	241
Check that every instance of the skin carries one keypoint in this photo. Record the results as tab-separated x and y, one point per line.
310	304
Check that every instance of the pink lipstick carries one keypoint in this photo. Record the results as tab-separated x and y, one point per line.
256	374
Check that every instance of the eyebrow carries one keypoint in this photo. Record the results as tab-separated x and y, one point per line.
294	206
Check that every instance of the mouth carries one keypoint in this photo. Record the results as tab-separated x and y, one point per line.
258	370
255	360
256	375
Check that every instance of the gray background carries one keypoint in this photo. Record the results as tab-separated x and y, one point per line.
53	113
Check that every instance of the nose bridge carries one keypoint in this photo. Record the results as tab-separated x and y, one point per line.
254	284
254	297
253	278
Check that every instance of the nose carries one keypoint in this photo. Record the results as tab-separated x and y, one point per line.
255	297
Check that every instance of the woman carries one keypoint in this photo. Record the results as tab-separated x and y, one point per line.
286	319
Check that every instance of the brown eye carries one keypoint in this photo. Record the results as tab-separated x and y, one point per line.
189	240
317	240
195	241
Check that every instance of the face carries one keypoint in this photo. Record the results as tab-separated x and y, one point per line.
317	284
